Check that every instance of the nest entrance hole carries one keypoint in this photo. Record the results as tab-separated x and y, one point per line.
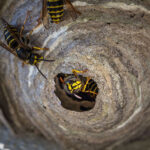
77	93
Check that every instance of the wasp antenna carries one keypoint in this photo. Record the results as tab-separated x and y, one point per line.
45	60
48	60
40	72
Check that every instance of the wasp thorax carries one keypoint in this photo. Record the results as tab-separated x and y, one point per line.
22	53
76	92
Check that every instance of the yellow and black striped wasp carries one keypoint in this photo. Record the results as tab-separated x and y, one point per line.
77	86
17	45
55	9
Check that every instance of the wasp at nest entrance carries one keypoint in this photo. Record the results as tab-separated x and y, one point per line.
75	91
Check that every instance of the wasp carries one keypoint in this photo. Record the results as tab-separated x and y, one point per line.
17	44
77	86
55	9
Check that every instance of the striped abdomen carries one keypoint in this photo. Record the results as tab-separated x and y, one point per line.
91	88
55	10
9	33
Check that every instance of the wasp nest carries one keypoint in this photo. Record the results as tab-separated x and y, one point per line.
111	40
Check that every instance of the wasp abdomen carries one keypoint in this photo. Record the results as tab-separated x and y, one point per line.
55	10
9	37
92	86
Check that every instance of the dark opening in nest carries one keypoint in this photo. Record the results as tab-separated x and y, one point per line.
76	93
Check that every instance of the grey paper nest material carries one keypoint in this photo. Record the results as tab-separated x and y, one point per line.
113	44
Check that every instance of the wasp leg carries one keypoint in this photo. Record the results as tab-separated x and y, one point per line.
88	78
39	48
23	64
69	5
90	92
22	28
44	18
44	15
39	22
29	34
31	31
61	80
8	48
75	72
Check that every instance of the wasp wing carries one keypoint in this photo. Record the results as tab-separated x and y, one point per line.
72	9
7	48
45	17
15	36
9	27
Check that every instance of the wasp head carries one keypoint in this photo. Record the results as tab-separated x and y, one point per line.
35	58
72	85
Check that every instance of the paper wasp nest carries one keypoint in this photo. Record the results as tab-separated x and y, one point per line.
112	41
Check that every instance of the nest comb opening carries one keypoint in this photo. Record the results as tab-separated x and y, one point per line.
77	93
